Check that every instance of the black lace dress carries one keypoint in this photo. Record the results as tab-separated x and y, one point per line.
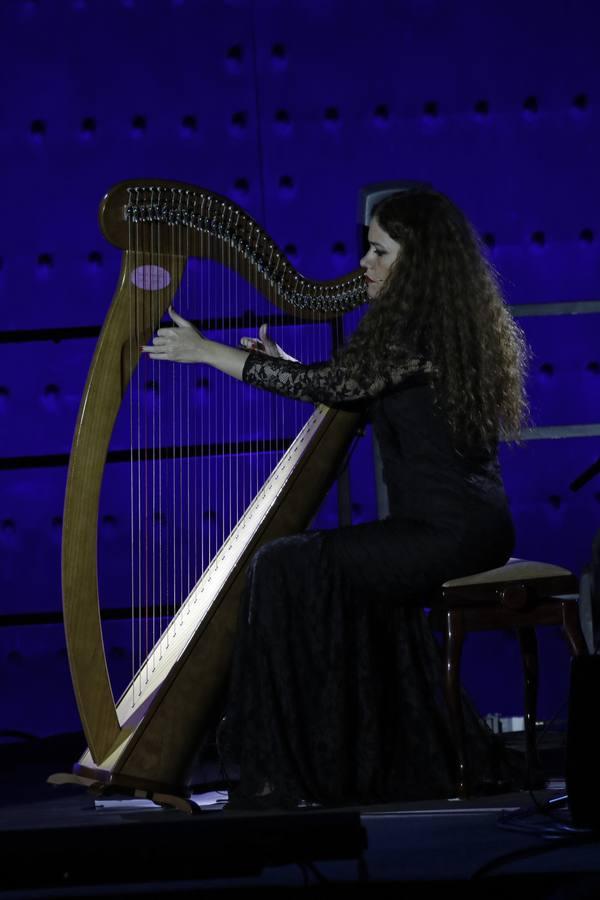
336	690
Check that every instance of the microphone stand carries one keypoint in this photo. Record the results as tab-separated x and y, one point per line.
585	476
583	729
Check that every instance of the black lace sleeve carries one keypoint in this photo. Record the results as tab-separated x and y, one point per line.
325	382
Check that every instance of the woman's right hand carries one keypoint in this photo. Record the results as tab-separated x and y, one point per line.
180	343
264	344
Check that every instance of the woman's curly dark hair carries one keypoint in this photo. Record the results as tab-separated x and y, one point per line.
442	301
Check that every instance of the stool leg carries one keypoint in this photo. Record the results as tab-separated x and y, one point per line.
572	628
455	634
529	655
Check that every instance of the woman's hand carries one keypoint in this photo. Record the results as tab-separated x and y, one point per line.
184	343
264	344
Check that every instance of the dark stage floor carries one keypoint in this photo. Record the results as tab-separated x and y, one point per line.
60	842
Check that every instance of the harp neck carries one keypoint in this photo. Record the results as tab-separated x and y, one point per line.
174	213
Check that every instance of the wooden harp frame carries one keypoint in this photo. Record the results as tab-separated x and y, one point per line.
149	752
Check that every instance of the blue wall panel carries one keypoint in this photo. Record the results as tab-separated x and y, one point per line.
564	375
30	535
289	108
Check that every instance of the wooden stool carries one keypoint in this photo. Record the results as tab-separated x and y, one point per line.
521	595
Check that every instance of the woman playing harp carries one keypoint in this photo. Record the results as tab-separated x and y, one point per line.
336	679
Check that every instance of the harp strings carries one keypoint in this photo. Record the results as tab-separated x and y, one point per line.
130	269
201	444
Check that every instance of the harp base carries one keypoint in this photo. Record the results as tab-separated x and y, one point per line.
103	783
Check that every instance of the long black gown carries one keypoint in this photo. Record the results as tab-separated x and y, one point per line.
336	689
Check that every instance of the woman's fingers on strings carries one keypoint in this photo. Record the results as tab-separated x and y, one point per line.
262	343
249	343
263	335
163	343
269	345
179	320
167	341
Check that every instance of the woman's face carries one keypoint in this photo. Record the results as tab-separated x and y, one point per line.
377	261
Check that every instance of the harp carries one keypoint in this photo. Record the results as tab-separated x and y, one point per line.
145	742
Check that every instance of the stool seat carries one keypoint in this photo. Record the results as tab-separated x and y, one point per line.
520	584
520	595
514	570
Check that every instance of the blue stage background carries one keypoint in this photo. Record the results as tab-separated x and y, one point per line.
289	108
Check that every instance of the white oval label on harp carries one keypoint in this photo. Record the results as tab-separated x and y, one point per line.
151	278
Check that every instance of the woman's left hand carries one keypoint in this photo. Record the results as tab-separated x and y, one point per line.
265	344
184	343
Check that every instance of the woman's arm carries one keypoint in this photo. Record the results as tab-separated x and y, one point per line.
326	382
185	343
